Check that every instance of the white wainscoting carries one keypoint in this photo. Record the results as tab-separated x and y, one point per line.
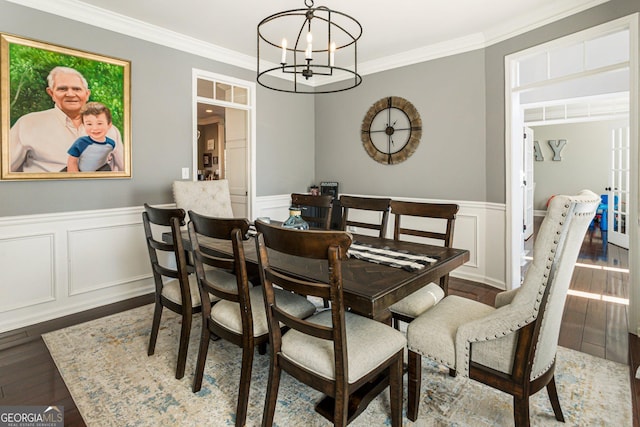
58	264
52	265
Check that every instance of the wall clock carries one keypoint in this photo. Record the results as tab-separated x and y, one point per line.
391	130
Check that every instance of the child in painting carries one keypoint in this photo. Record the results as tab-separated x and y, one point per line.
91	153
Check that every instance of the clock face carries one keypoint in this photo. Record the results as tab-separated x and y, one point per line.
391	130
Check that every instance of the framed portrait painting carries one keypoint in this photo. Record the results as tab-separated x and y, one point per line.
64	113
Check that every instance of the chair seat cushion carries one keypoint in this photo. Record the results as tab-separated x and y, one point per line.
171	289
369	344
418	302
227	313
433	334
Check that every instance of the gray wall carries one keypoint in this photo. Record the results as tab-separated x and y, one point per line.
449	162
585	159
461	100
161	111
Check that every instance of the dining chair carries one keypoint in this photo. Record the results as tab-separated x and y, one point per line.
512	346
211	198
437	221
351	203
175	288
334	351
319	216
239	317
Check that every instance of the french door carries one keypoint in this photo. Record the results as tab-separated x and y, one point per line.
618	192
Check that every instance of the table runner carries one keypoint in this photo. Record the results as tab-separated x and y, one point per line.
394	258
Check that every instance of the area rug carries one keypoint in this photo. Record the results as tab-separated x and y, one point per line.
113	382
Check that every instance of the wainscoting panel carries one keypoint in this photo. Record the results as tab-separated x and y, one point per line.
92	268
27	262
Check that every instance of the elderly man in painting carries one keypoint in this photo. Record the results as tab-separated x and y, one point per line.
38	141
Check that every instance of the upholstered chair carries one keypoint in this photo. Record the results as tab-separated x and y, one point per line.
211	198
239	317
512	346
334	351
437	221
176	288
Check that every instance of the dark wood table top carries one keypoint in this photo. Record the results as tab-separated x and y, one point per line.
369	288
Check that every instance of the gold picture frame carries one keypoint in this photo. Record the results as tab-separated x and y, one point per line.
43	88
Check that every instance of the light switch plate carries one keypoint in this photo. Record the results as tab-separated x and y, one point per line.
185	173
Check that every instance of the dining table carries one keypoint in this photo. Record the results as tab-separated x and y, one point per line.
369	288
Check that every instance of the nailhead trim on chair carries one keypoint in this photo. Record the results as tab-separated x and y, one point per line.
536	308
553	250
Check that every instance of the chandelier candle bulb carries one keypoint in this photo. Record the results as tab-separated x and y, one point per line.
283	60
309	50
332	54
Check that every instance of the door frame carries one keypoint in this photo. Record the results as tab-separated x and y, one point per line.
513	125
250	107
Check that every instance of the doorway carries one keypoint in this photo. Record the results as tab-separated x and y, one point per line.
534	76
224	136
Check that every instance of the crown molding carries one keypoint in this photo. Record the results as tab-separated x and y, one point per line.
426	53
84	12
541	17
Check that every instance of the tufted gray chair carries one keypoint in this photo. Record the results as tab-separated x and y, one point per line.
210	198
512	346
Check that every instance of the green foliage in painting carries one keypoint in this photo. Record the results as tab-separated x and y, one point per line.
30	66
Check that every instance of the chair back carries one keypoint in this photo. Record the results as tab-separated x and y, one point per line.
329	246
210	198
161	252
380	205
440	219
442	230
544	289
232	230
319	216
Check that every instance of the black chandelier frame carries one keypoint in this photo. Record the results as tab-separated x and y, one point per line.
308	68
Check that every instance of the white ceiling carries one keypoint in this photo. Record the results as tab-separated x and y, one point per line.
402	31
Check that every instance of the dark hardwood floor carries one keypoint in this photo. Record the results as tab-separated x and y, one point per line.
591	323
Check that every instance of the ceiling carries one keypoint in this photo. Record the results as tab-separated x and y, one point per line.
391	30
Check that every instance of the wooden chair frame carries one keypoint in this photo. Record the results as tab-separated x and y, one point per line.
333	247
424	210
172	218
369	204
233	230
323	203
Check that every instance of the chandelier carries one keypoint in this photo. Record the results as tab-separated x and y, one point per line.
315	46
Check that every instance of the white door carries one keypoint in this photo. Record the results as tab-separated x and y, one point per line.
528	184
236	159
618	192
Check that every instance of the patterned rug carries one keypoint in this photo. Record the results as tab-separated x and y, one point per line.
113	382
